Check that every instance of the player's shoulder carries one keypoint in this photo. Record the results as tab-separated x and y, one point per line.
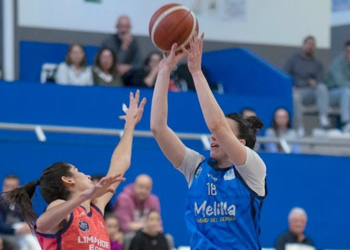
55	203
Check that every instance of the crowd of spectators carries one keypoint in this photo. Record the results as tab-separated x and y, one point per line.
118	63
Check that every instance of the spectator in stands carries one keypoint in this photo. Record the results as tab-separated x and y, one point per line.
15	232
134	203
150	238
145	76
104	71
114	233
308	88
338	82
297	219
248	112
125	45
74	71
281	128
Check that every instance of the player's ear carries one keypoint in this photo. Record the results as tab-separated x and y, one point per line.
67	181
242	141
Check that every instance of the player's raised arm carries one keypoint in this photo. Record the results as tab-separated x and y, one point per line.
213	115
168	141
121	157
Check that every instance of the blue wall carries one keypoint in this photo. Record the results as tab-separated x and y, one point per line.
97	106
317	183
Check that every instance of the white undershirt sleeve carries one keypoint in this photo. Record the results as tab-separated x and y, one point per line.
253	172
191	161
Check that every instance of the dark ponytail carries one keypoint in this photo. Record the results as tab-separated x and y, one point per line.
256	124
22	196
248	128
51	188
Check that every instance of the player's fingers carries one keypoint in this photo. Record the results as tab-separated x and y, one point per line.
142	104
185	51
122	117
137	96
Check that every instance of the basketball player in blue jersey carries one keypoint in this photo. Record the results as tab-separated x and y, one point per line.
226	191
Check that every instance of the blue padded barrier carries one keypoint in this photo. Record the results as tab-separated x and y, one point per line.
319	184
98	106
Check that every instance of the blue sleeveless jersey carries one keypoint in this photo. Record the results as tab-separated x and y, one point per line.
222	211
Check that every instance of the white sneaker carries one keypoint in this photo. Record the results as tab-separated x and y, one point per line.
346	128
324	121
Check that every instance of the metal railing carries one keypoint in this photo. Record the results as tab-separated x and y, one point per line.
39	130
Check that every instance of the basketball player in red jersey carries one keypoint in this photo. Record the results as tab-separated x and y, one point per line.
74	216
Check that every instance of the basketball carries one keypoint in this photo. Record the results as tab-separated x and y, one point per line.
172	23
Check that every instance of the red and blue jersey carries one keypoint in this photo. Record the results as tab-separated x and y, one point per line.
86	231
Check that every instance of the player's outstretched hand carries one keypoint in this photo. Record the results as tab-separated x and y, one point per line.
103	186
170	60
133	114
194	54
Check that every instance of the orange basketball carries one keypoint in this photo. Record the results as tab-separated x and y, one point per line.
172	23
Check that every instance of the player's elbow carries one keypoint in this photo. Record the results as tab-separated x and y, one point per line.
215	127
41	226
157	128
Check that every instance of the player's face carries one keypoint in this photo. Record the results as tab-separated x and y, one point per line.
106	60
348	53
216	151
76	55
297	224
81	180
112	226
153	222
10	184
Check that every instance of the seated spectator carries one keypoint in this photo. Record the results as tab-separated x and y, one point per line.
125	45
150	238
134	203
14	231
339	85
74	71
145	76
294	236
104	71
248	112
308	88
281	128
115	235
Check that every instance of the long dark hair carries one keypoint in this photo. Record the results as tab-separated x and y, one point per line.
69	60
51	188
247	128
113	70
274	125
